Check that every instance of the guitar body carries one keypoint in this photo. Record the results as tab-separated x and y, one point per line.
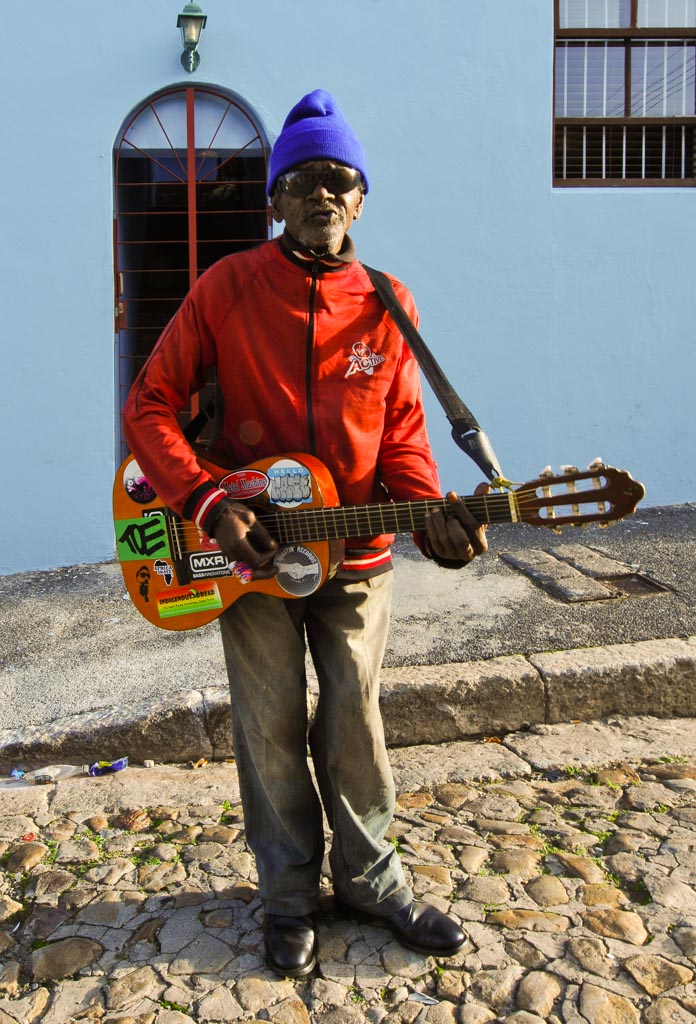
178	578
176	575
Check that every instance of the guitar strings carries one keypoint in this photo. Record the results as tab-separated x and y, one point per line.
392	511
398	515
422	507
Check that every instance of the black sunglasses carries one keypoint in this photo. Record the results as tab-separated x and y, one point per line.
304	180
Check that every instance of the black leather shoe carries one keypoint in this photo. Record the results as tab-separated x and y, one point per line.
418	926
291	945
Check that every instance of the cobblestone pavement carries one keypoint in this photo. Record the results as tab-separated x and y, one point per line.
577	889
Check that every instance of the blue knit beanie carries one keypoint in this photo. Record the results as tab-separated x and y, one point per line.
315	129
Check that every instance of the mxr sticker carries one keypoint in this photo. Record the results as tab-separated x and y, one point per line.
290	484
204	564
196	597
299	570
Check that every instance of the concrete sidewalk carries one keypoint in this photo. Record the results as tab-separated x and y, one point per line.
544	629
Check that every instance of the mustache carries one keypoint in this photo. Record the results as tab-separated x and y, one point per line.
324	207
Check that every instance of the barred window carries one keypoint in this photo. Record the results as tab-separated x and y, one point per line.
625	92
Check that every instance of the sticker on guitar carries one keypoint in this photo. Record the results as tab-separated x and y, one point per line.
299	570
189	599
136	484
290	484
244	484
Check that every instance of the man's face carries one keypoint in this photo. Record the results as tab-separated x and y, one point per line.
320	219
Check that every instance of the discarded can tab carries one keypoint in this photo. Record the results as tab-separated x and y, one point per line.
107	767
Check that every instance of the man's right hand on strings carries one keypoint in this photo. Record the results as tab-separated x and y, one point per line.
242	538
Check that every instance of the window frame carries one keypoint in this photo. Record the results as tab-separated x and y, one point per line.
625	36
142	309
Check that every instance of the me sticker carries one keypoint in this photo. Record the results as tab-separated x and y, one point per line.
196	597
142	538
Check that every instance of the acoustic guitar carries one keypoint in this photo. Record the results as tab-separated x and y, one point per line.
178	578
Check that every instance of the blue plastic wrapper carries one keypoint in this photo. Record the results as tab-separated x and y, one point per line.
17	773
107	767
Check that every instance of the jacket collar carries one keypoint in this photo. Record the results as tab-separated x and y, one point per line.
301	256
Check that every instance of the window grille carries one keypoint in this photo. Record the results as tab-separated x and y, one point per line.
190	187
625	92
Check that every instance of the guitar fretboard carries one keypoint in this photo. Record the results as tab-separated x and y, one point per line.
292	526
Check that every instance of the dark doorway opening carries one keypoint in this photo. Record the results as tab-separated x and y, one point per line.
190	172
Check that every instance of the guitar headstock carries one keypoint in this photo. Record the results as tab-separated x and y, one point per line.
599	494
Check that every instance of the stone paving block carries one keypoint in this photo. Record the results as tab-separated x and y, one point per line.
175	727
428	764
218	720
596	744
441	703
591	562
557	577
654	677
601	1007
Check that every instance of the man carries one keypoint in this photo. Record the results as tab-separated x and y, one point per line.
307	360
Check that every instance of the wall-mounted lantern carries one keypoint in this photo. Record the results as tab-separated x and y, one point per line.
191	21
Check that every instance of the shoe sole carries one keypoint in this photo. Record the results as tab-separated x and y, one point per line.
449	951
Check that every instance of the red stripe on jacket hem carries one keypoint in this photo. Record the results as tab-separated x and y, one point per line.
369	560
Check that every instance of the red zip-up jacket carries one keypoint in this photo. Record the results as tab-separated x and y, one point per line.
307	360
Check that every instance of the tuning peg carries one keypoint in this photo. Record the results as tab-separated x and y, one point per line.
546	471
597	463
570	469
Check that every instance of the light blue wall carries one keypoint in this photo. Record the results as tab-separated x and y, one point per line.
565	317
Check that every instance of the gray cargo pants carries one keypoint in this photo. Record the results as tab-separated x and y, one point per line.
346	626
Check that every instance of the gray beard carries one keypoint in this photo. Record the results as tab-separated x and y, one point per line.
323	238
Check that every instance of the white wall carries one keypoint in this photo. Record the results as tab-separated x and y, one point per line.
563	316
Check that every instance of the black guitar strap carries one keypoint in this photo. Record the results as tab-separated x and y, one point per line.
466	430
193	429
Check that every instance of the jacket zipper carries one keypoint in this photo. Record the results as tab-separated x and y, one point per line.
308	363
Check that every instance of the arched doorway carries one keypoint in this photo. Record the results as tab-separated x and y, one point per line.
189	187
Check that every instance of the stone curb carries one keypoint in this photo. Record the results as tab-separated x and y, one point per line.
428	704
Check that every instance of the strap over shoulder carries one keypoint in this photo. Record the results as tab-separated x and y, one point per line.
466	431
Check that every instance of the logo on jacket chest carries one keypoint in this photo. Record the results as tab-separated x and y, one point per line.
363	360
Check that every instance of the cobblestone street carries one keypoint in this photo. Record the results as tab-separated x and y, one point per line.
576	888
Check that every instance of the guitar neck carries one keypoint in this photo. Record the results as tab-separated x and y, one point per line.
295	526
